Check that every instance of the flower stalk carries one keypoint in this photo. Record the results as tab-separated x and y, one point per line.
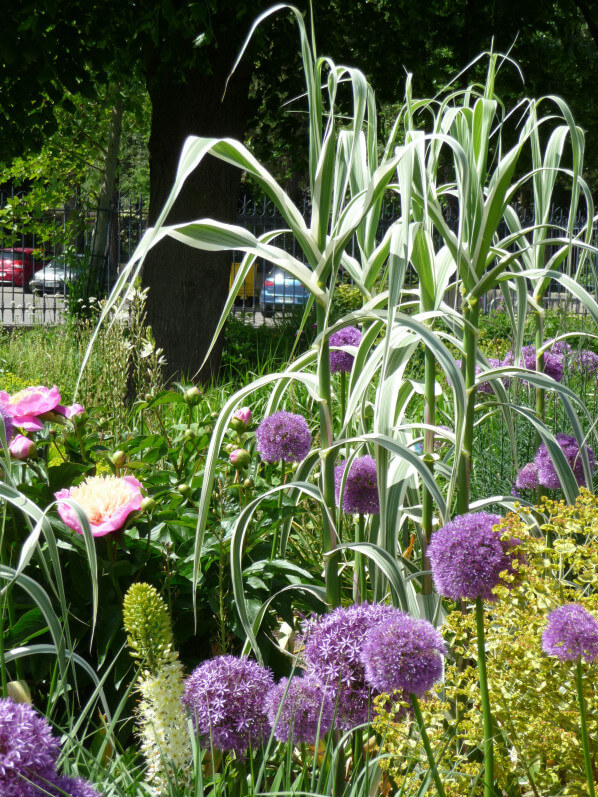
485	697
584	728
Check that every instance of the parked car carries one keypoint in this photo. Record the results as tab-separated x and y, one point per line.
57	275
281	291
16	266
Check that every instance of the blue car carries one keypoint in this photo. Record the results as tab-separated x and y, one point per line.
281	291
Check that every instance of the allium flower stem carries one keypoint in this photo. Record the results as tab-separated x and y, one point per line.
2	662
471	313
359	577
540	392
427	501
343	396
280	497
426	743
584	729
487	716
328	535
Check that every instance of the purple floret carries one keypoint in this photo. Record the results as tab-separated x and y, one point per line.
333	646
586	361
547	475
361	488
27	744
225	698
74	787
403	653
306	713
342	360
571	632
467	557
283	436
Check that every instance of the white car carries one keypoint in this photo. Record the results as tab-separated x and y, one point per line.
57	276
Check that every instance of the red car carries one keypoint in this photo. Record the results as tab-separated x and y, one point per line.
16	266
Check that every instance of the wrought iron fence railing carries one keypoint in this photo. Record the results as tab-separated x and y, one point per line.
58	243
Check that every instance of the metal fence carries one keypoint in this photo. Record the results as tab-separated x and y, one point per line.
61	235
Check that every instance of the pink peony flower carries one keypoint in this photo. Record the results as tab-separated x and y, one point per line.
29	404
70	412
106	500
21	447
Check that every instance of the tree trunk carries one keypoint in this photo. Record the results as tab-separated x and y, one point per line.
188	287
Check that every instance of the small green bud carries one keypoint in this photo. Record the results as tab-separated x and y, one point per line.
184	489
248	484
148	504
190	434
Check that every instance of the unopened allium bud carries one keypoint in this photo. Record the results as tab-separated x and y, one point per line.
240	458
21	447
118	459
192	396
241	419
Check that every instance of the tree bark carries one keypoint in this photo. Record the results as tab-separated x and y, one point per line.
188	287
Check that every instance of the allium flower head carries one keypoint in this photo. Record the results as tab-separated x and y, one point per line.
403	653
29	404
586	361
332	648
342	360
553	361
225	697
306	712
485	387
361	487
283	436
547	475
467	557
571	632
27	745
106	500
62	784
8	424
527	477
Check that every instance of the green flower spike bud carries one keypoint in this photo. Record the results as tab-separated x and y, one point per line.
148	627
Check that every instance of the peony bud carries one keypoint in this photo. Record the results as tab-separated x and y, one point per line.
248	484
148	504
240	458
21	447
192	396
241	419
118	459
184	489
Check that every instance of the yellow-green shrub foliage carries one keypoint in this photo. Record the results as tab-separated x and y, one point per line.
533	696
11	382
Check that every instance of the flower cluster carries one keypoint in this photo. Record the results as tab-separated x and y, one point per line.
225	699
28	755
106	500
283	436
342	361
333	648
361	488
542	471
571	632
467	556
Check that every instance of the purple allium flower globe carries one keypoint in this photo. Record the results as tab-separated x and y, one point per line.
547	475
553	361
225	698
283	436
332	650
527	477
342	361
306	712
27	744
405	653
467	557
571	632
361	487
